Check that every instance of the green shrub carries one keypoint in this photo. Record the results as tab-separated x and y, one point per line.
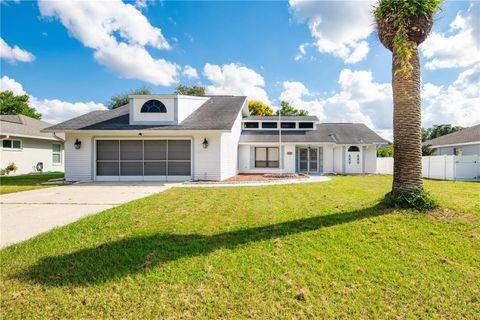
420	200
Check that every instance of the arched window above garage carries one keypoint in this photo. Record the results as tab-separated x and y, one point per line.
153	106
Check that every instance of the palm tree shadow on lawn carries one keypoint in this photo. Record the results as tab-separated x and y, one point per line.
133	255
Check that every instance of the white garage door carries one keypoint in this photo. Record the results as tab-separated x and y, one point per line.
118	160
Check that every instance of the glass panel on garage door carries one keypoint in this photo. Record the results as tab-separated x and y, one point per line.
107	158
155	158
131	157
179	155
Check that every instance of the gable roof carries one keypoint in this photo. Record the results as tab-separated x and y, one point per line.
339	133
467	135
217	113
286	118
23	126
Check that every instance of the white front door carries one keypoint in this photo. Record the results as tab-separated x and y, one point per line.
353	160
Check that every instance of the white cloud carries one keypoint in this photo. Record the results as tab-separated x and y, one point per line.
457	104
235	79
7	84
338	27
55	110
361	99
190	72
460	46
119	34
13	54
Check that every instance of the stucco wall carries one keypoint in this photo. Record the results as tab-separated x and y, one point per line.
79	164
247	156
32	152
338	159
370	159
229	150
467	150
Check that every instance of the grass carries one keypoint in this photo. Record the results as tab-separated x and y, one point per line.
323	250
9	184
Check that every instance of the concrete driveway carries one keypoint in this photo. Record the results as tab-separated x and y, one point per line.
24	215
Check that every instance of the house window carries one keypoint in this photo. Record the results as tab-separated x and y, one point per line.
305	125
353	149
56	153
458	151
269	125
266	158
251	125
288	125
12	144
153	106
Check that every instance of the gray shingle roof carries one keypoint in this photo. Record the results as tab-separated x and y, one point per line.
340	133
23	126
286	118
466	135
218	113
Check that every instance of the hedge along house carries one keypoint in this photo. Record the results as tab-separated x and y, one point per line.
178	138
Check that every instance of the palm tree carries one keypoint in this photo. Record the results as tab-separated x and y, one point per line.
402	25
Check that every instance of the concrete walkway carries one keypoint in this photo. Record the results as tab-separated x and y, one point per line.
255	183
26	214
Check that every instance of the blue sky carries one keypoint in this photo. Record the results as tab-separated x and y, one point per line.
72	58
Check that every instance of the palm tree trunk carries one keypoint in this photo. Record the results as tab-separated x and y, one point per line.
407	121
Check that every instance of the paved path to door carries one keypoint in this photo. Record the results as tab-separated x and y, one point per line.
26	214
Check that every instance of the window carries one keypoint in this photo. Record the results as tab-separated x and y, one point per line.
266	158
251	125
288	125
457	151
153	106
353	149
305	125
269	125
12	144
56	153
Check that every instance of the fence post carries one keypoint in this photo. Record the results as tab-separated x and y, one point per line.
428	172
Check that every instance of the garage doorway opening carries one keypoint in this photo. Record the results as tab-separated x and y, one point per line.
143	160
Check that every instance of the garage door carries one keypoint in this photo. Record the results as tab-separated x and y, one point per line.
143	160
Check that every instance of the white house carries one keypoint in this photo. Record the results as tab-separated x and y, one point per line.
176	137
465	142
27	147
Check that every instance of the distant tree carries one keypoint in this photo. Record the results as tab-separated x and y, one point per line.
121	99
286	109
190	91
427	151
258	108
386	151
13	104
424	133
441	130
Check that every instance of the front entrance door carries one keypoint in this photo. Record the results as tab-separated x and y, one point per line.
308	160
354	160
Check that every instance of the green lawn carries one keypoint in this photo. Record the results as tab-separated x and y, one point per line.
9	184
323	250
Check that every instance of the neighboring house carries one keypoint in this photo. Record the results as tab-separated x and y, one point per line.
26	146
465	142
176	137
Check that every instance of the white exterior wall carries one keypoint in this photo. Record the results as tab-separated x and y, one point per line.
247	156
328	161
467	150
338	159
370	159
229	150
79	164
32	152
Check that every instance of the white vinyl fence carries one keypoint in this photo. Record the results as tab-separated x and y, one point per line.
465	168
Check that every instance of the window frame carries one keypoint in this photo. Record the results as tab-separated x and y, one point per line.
253	124
267	161
288	125
306	125
59	153
147	109
11	148
269	125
